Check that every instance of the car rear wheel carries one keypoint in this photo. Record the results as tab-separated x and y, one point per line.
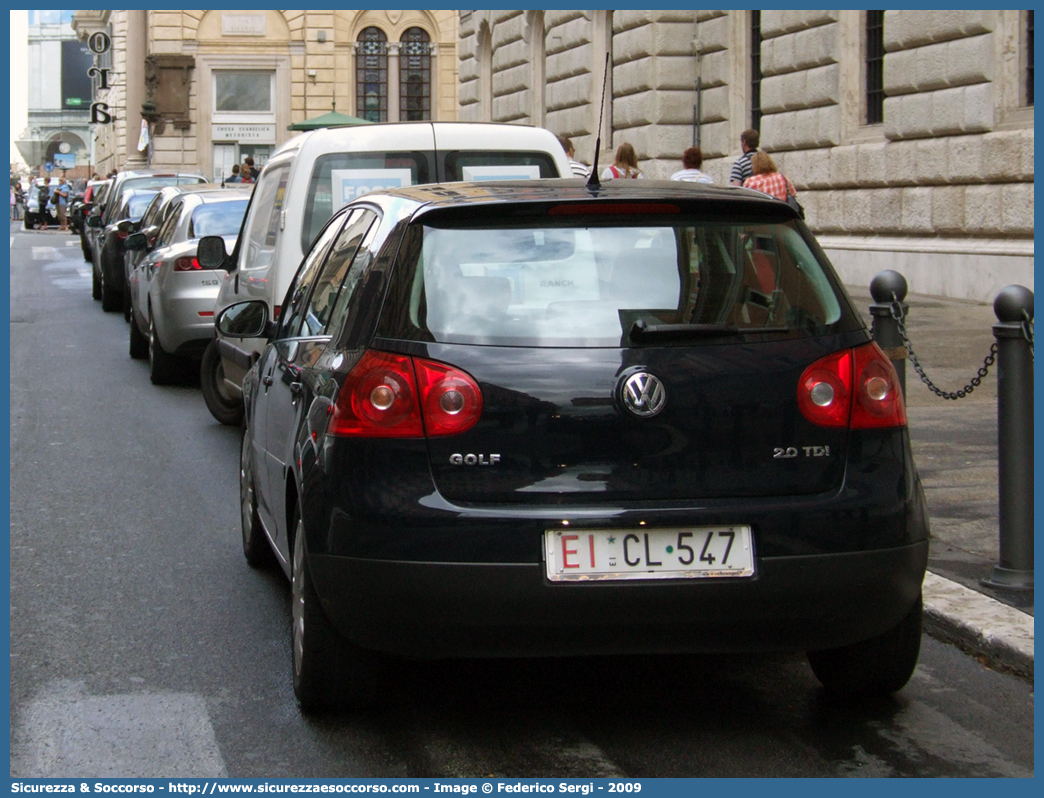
95	285
163	367
879	666
226	409
328	670
126	306
139	344
86	248
255	544
111	301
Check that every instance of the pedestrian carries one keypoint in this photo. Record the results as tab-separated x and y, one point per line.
235	175
692	160
245	175
625	165
579	169
254	172
14	205
767	179
61	194
749	140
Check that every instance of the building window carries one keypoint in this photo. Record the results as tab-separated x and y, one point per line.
371	76
755	70
243	92
415	76
875	67
1029	58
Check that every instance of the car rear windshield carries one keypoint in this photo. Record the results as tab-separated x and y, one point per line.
218	218
340	177
560	285
468	165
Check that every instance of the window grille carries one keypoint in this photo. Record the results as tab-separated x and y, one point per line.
755	70
415	76
1029	58
874	67
371	75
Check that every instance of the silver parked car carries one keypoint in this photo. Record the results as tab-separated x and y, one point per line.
172	295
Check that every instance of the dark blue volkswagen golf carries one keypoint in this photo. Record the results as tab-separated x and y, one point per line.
543	418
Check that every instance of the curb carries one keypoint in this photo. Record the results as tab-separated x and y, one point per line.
1001	635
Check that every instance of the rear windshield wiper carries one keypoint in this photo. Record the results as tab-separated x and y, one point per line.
641	331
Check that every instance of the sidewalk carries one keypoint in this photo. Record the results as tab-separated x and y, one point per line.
955	448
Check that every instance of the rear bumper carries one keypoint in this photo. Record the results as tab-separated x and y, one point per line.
475	610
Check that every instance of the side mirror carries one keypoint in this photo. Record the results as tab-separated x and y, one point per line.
210	252
94	221
136	241
244	319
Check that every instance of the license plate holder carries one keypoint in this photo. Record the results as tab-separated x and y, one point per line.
706	552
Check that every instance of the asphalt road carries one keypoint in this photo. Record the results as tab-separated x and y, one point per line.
143	645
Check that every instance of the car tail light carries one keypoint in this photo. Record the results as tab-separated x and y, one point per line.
186	265
857	388
396	396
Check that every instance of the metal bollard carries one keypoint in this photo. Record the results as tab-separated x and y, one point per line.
885	288
1014	308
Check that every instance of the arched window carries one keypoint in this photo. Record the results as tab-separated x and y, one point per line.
415	76
371	75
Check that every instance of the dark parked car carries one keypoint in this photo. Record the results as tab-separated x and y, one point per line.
508	419
111	293
109	244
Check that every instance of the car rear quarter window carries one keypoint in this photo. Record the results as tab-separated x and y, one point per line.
339	178
586	283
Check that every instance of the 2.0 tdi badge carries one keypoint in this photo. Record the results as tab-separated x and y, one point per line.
643	394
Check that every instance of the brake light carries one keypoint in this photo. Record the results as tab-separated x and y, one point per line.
396	396
186	265
857	388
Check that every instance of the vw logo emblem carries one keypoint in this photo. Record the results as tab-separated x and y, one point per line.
643	394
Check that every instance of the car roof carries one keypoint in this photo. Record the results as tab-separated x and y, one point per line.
443	135
448	195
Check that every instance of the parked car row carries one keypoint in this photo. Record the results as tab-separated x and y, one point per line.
546	417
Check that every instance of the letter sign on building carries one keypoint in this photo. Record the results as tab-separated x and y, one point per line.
100	42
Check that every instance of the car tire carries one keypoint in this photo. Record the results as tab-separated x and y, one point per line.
111	301
328	670
95	285
139	343
226	409
256	549
126	306
86	248
163	366
876	667
30	220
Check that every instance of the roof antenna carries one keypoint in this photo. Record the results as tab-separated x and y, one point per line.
593	181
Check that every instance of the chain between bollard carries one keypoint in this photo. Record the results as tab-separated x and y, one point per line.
899	315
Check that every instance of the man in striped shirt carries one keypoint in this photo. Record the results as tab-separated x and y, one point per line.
749	140
579	170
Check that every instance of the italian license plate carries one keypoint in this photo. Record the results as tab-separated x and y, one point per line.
679	553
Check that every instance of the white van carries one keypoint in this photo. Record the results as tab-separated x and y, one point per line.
312	175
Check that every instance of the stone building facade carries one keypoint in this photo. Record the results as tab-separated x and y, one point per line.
217	86
58	133
909	134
